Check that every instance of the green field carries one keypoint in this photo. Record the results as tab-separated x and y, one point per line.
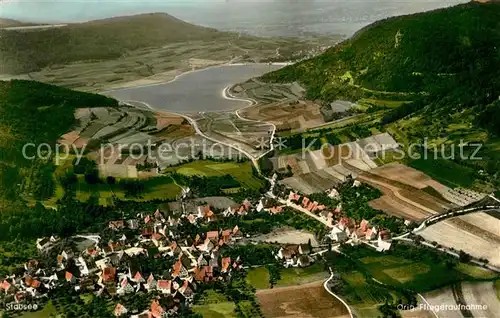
363	297
298	276
224	309
381	102
475	271
258	277
497	287
214	305
240	171
154	188
445	171
400	272
47	311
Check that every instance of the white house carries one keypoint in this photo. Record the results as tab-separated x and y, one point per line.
383	246
82	266
125	287
338	235
371	234
260	206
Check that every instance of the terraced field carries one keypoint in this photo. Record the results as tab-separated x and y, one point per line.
318	170
124	125
251	136
280	104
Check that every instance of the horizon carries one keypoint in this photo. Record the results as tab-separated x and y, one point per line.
208	13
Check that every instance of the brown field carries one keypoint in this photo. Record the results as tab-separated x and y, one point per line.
403	195
304	301
175	132
394	199
403	174
69	138
390	204
163	120
296	117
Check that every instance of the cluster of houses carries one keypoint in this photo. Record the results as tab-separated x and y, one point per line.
114	266
296	255
86	263
345	229
204	213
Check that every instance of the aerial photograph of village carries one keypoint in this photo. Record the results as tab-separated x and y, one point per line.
250	158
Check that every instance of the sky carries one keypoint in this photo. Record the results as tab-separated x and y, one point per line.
257	17
84	10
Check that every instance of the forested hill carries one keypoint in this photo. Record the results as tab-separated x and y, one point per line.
94	40
447	61
10	23
409	53
33	112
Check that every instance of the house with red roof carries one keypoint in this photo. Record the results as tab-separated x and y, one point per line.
371	233
237	234
191	218
231	210
225	263
138	278
19	296
108	274
346	223
294	197
213	235
151	283
305	202
93	251
69	277
164	286
207	245
116	225
7	287
276	210
125	287
186	290
157	311
120	310
364	225
147	231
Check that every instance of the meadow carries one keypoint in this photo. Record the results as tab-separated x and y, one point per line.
242	172
161	187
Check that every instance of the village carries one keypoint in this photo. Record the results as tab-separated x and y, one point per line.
157	253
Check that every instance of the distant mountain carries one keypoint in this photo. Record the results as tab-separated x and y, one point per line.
27	51
10	23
